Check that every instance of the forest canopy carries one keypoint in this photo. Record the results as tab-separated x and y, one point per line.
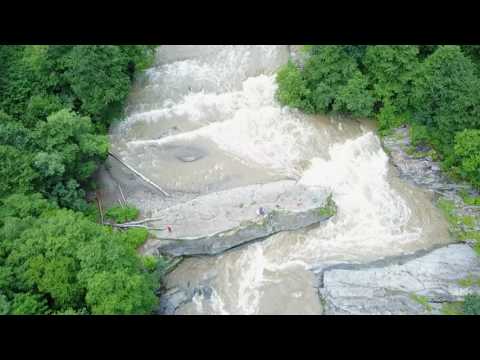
56	104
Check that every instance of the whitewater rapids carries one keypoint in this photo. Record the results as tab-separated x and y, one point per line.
218	102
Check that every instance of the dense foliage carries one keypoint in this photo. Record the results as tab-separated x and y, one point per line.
434	89
56	103
122	214
471	306
57	260
89	79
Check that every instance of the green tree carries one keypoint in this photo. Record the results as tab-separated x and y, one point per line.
472	51
29	304
326	71
16	171
292	89
354	98
48	144
425	51
446	93
14	133
122	214
62	260
4	305
471	306
120	293
40	107
98	76
391	69
467	154
70	153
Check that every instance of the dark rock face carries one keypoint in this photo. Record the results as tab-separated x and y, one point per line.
423	171
174	298
420	169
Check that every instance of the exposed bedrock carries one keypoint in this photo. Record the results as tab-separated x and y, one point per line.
418	286
215	222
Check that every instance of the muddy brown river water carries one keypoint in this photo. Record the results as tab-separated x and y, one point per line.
205	119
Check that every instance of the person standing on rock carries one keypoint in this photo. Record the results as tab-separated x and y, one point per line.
261	211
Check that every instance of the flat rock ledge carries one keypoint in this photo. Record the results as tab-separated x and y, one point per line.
213	223
418	286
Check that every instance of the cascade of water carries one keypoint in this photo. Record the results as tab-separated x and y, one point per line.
221	99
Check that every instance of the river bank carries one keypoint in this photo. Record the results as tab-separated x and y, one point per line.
429	282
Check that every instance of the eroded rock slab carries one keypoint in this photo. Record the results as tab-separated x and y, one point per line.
418	286
419	167
215	222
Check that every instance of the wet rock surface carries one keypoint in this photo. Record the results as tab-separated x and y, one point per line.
213	223
423	171
418	286
189	153
414	285
420	168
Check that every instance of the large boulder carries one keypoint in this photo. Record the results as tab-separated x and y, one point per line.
418	286
215	222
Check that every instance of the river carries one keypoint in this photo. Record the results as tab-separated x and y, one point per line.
205	118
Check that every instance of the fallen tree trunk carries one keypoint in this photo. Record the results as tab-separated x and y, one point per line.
128	226
143	177
99	206
142	221
123	196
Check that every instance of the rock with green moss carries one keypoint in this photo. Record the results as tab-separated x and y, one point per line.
459	202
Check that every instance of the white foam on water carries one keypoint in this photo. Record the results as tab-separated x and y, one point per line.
215	303
372	218
220	70
255	128
251	280
230	92
371	215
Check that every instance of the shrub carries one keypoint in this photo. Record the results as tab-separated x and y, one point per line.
467	154
60	261
4	305
387	117
354	98
452	308
419	134
391	69
150	262
122	214
136	237
326	71
446	94
16	171
471	305
292	90
120	293
98	76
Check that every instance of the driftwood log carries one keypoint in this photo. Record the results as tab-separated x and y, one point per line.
140	175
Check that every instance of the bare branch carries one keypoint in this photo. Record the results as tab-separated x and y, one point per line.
143	177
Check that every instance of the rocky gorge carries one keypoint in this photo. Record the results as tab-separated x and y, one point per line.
345	229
